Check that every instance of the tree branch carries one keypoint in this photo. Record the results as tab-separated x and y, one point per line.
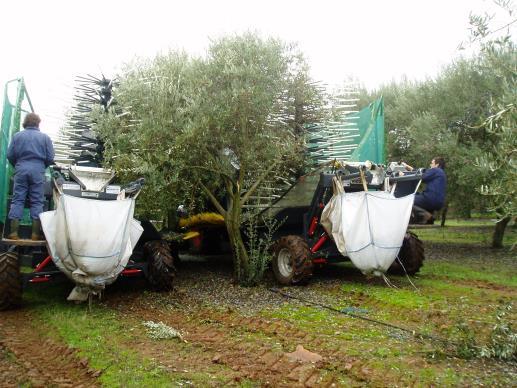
215	172
214	200
252	189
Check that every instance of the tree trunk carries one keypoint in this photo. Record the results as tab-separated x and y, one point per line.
233	227
500	226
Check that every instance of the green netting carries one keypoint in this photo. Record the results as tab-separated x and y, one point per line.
12	114
370	122
356	137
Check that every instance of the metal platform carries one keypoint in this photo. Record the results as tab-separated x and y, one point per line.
24	242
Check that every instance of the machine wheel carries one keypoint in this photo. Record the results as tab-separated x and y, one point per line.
161	270
411	255
292	263
10	281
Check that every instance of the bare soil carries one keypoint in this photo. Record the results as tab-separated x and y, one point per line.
227	334
29	358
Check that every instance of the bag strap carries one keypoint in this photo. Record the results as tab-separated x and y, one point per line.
337	186
363	180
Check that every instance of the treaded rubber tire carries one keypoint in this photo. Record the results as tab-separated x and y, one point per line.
411	255
10	281
160	260
300	261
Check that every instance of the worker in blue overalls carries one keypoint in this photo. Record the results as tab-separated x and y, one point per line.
433	196
30	152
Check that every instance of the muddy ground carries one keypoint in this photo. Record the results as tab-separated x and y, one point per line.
248	336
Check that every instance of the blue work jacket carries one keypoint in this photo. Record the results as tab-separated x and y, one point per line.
436	185
31	148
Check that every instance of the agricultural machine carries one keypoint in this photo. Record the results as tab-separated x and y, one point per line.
150	257
79	228
302	242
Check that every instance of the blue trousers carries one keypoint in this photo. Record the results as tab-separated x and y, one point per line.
426	203
28	183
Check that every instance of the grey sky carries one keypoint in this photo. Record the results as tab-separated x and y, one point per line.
50	42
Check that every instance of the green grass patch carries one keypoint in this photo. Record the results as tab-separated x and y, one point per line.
405	298
104	337
475	222
496	275
97	335
466	232
454	235
324	322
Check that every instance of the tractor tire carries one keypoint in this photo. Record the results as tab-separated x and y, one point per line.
160	260
411	255
292	263
10	281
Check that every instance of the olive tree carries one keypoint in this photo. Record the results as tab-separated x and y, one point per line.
254	97
213	129
499	58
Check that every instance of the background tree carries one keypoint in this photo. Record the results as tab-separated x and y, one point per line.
145	131
500	58
443	116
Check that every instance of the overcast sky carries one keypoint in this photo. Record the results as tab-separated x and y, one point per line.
50	42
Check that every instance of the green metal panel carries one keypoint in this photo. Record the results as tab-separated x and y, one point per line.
371	125
11	123
358	137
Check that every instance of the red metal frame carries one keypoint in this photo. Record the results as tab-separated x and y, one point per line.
40	279
131	272
314	225
324	237
43	264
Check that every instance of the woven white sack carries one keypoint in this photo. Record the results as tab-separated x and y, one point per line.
368	227
90	240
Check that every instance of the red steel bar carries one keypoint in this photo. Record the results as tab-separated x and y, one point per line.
40	279
319	243
43	264
314	224
131	272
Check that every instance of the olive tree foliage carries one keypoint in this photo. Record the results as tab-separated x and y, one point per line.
434	118
147	129
465	114
214	129
255	96
440	117
500	185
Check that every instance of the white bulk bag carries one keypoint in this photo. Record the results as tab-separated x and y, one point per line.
91	240
368	227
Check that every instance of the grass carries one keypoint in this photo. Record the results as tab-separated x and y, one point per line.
98	336
452	271
456	286
456	231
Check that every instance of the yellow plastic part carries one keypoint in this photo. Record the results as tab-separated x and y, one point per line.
201	219
191	234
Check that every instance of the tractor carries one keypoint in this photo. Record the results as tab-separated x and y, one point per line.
25	261
151	257
302	243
